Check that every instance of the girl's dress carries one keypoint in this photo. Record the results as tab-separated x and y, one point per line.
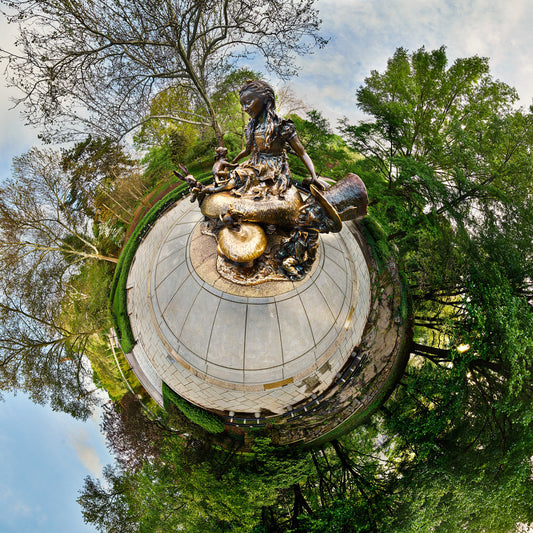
266	173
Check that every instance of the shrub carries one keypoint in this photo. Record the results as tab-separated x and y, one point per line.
209	421
377	240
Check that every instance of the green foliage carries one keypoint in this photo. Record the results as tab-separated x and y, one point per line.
377	240
163	159
85	308
54	282
105	505
171	143
90	164
330	154
119	301
209	421
448	166
159	163
169	104
440	137
226	102
105	184
106	374
201	149
193	487
341	516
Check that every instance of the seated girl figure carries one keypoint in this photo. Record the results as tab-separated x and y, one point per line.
266	174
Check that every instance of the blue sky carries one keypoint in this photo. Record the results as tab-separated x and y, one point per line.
44	456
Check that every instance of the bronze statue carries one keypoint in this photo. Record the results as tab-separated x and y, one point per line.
266	173
261	191
220	174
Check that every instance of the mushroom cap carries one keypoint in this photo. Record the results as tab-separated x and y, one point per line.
244	244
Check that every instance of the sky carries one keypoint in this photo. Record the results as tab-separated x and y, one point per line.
364	34
44	455
44	458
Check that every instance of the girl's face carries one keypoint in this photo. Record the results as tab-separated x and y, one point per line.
252	104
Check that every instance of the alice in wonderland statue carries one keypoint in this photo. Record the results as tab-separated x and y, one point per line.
267	228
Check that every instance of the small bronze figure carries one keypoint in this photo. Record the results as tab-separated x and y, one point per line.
220	172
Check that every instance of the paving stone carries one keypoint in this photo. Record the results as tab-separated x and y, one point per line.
267	375
318	312
165	283
196	331
296	333
331	293
263	339
176	312
226	347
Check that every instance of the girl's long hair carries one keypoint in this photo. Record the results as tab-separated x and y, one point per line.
272	120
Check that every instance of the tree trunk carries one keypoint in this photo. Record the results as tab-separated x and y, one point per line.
423	350
300	504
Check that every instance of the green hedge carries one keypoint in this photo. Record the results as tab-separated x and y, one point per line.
118	295
209	421
377	240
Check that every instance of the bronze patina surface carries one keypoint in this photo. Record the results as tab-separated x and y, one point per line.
242	244
260	190
273	210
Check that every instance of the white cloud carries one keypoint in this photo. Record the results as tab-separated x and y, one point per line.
20	508
364	34
86	453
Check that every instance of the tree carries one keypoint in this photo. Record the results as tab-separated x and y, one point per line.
53	295
227	104
168	102
95	65
194	487
443	138
172	143
39	355
105	506
96	169
39	218
288	103
449	165
329	153
131	435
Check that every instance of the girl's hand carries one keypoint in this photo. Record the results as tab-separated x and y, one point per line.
314	181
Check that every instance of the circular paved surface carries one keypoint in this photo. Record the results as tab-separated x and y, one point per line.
235	348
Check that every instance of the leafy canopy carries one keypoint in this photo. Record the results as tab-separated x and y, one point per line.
94	65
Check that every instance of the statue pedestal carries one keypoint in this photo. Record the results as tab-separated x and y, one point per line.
230	347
